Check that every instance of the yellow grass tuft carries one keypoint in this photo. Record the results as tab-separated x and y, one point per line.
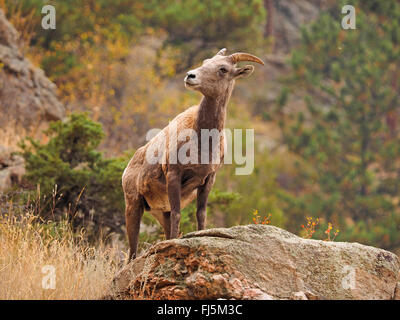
28	247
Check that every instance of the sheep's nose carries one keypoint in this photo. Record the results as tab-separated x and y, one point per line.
191	75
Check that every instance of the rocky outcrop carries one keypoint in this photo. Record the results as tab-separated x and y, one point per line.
288	17
28	101
12	169
27	97
258	262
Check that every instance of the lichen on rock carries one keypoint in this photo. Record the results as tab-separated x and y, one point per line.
257	262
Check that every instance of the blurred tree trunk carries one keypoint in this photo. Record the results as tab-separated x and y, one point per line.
268	26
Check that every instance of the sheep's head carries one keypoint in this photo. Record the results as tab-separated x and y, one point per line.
217	74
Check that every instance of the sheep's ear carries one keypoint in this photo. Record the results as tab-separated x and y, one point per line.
221	52
244	72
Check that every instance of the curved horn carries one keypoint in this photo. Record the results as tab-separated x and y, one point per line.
241	56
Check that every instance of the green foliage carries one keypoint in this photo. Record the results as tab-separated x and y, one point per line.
348	137
259	191
73	177
192	26
198	26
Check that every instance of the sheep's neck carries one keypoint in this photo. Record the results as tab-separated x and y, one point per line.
212	111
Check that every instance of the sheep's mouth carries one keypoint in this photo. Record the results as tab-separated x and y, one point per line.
191	85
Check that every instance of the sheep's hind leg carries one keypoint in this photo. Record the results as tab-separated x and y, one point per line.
133	215
167	224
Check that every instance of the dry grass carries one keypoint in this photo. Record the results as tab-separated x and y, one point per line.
26	246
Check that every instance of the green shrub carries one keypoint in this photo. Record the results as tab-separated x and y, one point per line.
72	178
347	138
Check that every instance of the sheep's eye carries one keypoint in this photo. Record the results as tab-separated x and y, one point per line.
223	70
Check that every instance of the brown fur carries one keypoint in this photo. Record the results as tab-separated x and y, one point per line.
164	189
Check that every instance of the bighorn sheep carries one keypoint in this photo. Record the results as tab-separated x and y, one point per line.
167	187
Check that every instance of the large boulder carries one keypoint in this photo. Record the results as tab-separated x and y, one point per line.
257	262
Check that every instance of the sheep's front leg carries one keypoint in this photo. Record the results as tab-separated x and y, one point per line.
174	197
167	224
202	197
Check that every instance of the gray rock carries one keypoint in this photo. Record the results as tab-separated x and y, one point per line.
12	168
257	262
290	16
27	97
